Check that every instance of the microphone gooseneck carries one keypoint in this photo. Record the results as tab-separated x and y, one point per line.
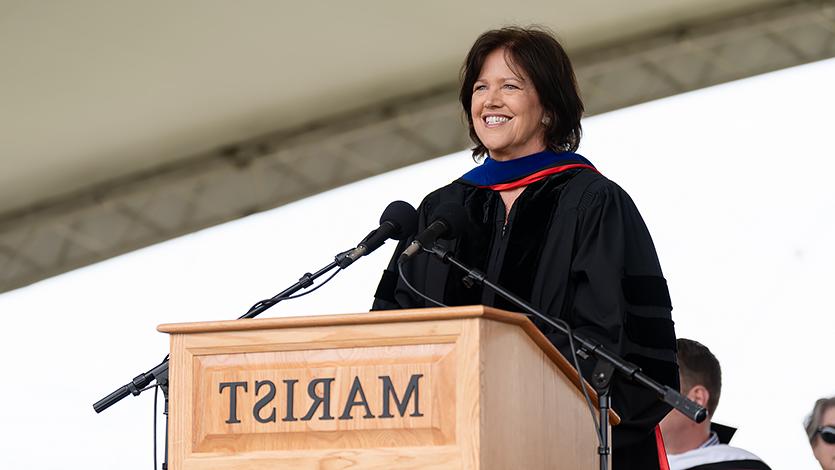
449	221
398	221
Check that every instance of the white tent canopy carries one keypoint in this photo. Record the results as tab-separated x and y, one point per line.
125	124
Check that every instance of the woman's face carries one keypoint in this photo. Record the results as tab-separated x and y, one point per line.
507	114
824	452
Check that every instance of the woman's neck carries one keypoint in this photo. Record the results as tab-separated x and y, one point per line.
514	154
509	196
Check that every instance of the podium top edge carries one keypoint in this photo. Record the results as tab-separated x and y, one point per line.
365	318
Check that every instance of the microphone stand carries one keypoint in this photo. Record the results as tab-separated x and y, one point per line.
608	362
304	282
160	372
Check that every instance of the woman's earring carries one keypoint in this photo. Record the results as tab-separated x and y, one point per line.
546	120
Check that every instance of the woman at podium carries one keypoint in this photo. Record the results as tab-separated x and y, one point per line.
545	224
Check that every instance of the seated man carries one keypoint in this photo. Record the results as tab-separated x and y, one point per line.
702	446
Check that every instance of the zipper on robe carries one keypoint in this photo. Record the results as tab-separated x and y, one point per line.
498	246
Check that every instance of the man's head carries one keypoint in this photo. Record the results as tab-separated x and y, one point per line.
701	381
699	369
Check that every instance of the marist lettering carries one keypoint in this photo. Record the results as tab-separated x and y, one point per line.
320	409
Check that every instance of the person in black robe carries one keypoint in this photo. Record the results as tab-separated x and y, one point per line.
547	226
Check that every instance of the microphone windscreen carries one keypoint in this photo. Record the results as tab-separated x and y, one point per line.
403	216
454	216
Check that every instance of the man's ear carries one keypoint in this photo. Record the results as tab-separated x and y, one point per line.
699	394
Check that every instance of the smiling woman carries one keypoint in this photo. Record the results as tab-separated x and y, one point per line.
544	224
524	76
507	114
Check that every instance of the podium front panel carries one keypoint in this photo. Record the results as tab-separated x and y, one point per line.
377	396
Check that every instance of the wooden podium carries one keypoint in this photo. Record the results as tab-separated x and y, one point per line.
465	387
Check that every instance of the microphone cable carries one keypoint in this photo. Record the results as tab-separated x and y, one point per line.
413	289
278	298
156	394
156	386
327	280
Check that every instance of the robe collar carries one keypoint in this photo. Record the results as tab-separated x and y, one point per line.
499	176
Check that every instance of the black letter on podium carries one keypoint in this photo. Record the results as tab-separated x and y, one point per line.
389	392
356	388
291	386
256	410
233	399
324	400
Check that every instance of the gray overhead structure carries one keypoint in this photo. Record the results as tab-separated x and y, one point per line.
125	125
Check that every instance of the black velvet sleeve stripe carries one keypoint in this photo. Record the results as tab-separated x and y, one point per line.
650	332
385	289
646	290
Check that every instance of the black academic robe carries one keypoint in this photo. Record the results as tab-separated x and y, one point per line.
577	249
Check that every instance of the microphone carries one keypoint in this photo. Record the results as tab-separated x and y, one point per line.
398	221
450	220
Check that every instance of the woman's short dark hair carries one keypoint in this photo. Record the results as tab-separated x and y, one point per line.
545	62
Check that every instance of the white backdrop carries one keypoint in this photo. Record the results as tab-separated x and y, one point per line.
734	182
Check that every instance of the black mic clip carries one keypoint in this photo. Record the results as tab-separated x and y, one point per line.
440	252
138	383
346	258
450	220
472	278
